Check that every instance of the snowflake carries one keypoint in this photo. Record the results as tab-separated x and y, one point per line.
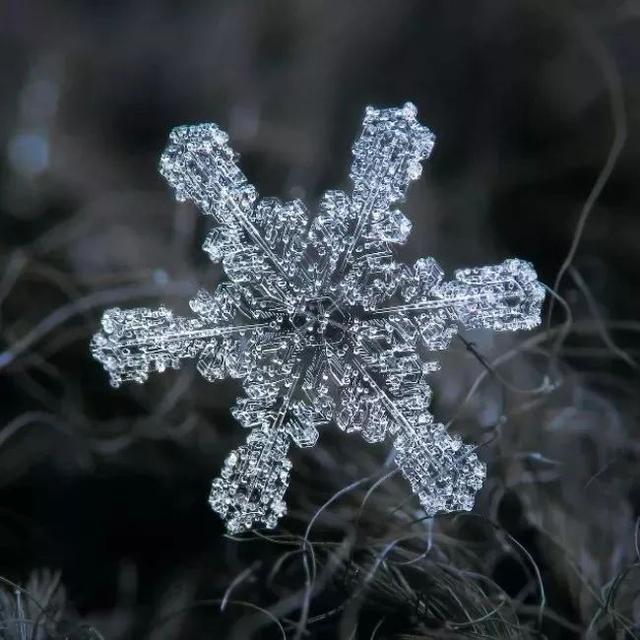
319	320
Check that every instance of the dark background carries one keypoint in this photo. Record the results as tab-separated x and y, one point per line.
103	513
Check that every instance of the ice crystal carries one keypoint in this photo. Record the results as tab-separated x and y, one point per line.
319	320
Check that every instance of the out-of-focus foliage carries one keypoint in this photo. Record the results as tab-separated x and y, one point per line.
535	105
38	610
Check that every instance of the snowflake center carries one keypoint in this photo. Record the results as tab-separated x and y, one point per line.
317	322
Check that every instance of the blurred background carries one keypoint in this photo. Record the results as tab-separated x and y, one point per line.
105	531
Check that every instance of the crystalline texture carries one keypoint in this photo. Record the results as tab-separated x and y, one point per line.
319	320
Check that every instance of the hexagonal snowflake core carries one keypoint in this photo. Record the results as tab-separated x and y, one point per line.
319	320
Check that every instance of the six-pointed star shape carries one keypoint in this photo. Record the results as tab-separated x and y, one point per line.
319	320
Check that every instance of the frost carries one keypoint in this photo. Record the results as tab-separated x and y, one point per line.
319	320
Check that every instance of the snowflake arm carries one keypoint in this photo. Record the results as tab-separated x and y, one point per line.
387	393
252	483
136	341
256	241
222	338
255	476
387	159
443	472
504	297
